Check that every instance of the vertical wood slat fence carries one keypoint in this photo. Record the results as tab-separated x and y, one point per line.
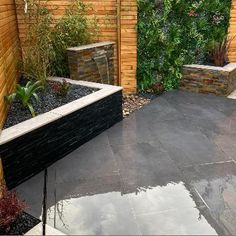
232	32
9	52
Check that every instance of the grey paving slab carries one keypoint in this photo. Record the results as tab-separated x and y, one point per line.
186	144
167	169
175	222
32	193
216	185
143	165
227	144
95	159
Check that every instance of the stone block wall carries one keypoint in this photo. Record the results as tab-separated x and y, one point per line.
209	79
94	62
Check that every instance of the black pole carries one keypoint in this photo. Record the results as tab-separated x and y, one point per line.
44	213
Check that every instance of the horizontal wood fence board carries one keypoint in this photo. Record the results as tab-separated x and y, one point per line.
9	52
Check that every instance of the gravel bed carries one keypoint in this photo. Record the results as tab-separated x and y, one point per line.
134	102
48	100
21	226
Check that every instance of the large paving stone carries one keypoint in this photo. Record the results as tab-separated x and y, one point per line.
167	169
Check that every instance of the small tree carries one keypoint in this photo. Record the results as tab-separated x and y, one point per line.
37	49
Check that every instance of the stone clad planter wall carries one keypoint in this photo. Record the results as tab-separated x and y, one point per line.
31	146
209	79
94	62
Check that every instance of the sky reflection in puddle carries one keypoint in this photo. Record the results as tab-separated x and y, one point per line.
168	209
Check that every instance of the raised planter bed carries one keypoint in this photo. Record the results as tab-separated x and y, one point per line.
49	99
32	145
209	79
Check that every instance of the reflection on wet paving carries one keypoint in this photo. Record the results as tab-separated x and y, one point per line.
107	213
216	184
159	171
168	209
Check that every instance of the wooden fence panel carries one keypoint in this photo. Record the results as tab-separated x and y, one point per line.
9	52
232	32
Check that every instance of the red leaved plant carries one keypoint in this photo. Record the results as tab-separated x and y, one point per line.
219	51
157	88
10	207
61	88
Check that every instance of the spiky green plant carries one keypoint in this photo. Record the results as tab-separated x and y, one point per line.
24	95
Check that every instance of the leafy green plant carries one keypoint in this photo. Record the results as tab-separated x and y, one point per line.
24	95
173	33
61	88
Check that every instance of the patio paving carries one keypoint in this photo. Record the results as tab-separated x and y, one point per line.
170	168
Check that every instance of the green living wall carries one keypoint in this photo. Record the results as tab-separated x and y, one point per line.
176	32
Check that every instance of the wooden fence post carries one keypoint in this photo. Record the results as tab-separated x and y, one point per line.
118	15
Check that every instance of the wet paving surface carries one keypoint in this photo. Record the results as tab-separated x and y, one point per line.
170	168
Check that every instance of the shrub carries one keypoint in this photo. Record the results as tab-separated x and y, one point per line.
10	207
73	29
172	33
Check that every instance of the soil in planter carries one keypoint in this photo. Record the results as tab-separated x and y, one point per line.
210	62
21	226
48	100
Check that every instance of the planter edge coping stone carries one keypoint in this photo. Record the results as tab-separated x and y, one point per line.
37	230
232	95
41	120
227	68
90	46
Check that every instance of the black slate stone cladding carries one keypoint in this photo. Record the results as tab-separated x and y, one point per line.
31	153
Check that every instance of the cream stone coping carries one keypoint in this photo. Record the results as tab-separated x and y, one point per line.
37	230
27	126
89	46
228	68
232	95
